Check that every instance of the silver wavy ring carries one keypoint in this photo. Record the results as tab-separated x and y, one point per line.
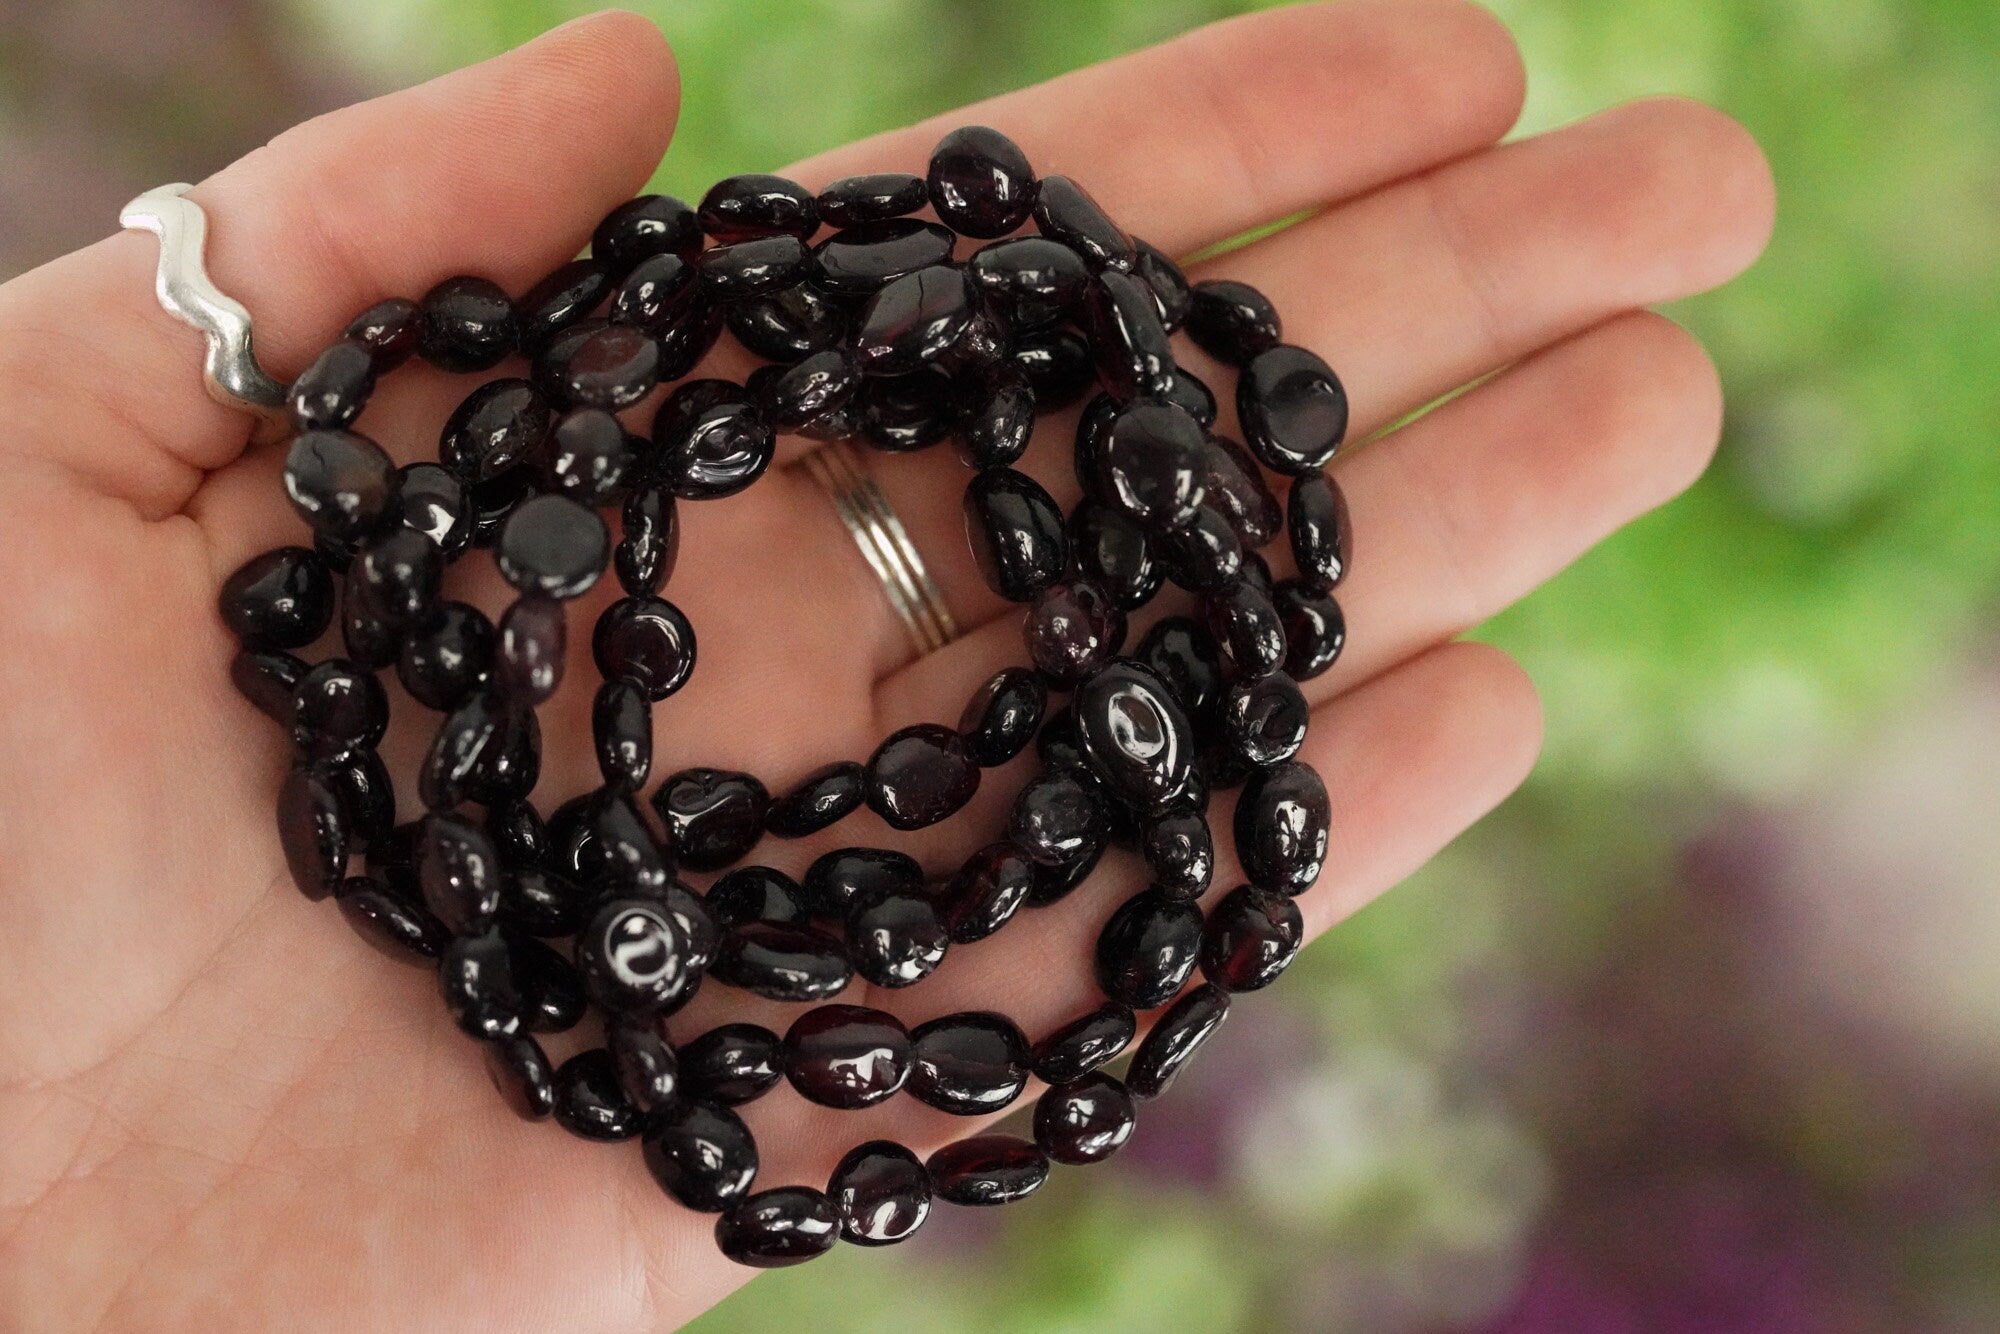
230	369
885	544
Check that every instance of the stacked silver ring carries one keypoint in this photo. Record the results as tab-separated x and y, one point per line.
886	546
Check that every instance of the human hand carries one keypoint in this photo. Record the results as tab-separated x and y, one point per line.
220	1110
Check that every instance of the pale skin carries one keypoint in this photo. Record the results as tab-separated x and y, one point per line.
219	1110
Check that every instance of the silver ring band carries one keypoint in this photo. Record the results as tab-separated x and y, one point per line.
885	544
230	369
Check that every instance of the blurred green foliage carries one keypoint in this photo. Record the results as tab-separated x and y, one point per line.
1844	555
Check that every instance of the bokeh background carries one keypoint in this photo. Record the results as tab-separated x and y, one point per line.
1701	1031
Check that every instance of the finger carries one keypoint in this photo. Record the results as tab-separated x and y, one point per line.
476	172
1247	121
1641	205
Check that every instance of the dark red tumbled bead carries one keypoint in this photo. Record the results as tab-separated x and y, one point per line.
466	324
341	483
1060	365
1086	1120
330	393
1322	537
459	871
921	775
388	329
871	198
904	413
656	296
1174	1039
737	208
1111	551
589	1102
1236	487
640	228
791	324
821	799
972	1064
1247	625
1135	359
435	504
611	368
337	708
1183	653
859	261
621	731
714	452
732	1065
1068	213
839	881
712	816
1283	825
782	961
647	641
533	636
777	1228
540	902
570	294
1084	1043
847	1056
1133	734
1231	321
980	182
1058	817
701	1154
476	979
817	384
400	572
649	544
313	832
912	320
1153	464
896	937
883	1192
281	599
522	1075
1146	951
1315	628
1002	716
500	424
1016	532
986	892
988	1169
758	267
1263	720
644	1062
1035	281
1073	630
999	420
270	680
553	545
1293	409
756	894
1252	936
1167	281
552	991
446	661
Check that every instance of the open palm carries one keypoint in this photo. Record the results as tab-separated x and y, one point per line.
218	1109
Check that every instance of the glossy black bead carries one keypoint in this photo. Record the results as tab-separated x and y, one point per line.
338	708
1134	357
435	504
656	297
839	880
1053	883
459	871
476	978
1293	409
732	1065
1057	817
1084	1043
791	324
590	1104
1134	734
522	1075
401	571
971	1064
621	730
859	261
1147	949
739	207
1016	532
1236	487
533	639
912	320
611	368
756	894
719	452
759	267
1067	212
1086	1120
367	797
270	680
553	545
1315	628
782	961
712	816
1057	745
985	892
1182	653
570	294
980	182
1153	464
647	641
1252	936
643	227
1179	849
1060	366
988	1169
896	938
1032	279
540	902
1110	551
444	663
650	541
493	500
777	1228
521	837
847	1056
466	324
701	1154
367	638
602	840
1192	395
820	383
904	413
388	329
1166	280
331	392
690	338
822	798
313	832
1263	721
500	424
510	765
920	775
883	1193
1003	715
1247	625
999	420
552	991
1204	555
1283	825
1232	321
634	959
871	198
1322	536
342	484
281	599
701	936
1072	630
1174	1040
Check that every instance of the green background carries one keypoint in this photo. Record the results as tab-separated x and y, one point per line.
1586	1071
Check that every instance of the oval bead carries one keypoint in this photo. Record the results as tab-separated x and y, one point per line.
640	228
987	1170
999	424
589	1102
1057	817
341	483
269	680
647	641
847	1056
657	295
435	504
789	325
732	1065
1154	465
883	1192
1016	532
1072	630
1236	487
554	546
986	892
718	452
539	902
533	636
338	708
757	204
396	928
466	324
459	872
1204	555
282	599
920	775
1293	409
552	994
781	961
913	320
1179	849
571	293
817	384
896	937
871	198
860	261
388	329
903	413
522	1076
971	1064
712	816
840	880
1322	537
1002	716
621	730
1134	357
980	182
759	266
777	1228
1168	283
1033	279
1060	366
1232	321
821	799
1147	949
701	1154
1066	212
1283	824
1263	721
756	894
1086	1120
1252	936
500	424
1183	654
650	541
634	959
1110	551
1174	1040
1246	624
1084	1043
476	978
1133	734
